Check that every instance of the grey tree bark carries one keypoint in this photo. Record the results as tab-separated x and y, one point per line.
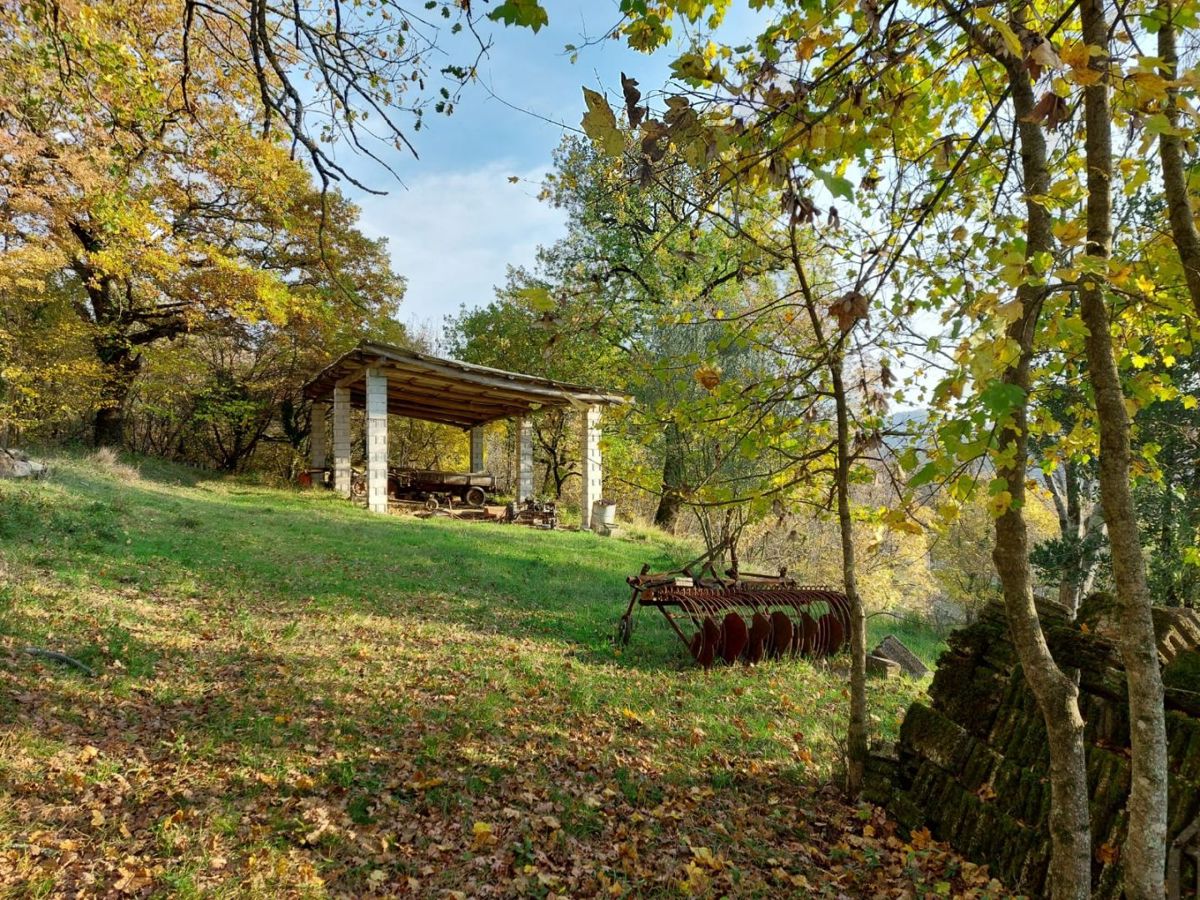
832	348
671	502
1144	854
856	732
1056	694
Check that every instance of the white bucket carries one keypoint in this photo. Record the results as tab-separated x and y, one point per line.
604	514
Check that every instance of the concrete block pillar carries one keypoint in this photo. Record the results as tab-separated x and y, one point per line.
593	481
377	440
341	440
318	437
477	449
524	460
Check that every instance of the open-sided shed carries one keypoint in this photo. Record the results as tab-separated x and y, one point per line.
386	380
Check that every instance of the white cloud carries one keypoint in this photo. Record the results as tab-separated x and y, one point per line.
452	234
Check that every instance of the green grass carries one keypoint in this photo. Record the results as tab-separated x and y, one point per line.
296	695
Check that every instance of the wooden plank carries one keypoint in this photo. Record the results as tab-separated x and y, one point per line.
418	411
445	383
439	403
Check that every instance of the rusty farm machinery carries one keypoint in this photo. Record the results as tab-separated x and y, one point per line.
741	616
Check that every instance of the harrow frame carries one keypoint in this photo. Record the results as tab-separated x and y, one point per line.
742	616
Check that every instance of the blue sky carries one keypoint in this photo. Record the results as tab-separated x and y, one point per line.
457	221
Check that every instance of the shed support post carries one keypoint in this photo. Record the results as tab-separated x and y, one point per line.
477	448
341	440
318	437
593	481
377	440
524	460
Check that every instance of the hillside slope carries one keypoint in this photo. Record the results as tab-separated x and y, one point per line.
295	697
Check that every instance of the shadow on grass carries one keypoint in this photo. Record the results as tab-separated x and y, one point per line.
284	770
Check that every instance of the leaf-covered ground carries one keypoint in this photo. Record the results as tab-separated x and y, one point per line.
298	699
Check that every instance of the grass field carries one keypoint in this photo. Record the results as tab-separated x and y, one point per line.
298	698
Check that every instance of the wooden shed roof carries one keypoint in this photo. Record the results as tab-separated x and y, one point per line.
446	390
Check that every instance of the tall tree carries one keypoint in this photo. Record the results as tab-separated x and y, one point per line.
165	213
1145	843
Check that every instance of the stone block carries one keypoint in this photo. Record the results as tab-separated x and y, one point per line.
882	667
891	647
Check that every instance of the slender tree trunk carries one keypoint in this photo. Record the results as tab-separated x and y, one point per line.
1170	150
1057	695
1145	842
856	732
833	349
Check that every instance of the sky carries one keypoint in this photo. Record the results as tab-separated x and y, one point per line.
456	222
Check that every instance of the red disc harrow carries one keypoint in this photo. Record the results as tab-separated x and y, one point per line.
746	617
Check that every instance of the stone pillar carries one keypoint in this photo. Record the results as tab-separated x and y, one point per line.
377	440
593	481
477	449
341	440
524	460
318	438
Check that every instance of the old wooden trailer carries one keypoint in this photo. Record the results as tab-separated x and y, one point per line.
436	487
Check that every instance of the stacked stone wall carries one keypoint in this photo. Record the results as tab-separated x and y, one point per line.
972	764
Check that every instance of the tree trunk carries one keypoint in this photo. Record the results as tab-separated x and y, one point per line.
856	732
121	364
670	503
1170	149
1145	842
1057	695
108	427
833	350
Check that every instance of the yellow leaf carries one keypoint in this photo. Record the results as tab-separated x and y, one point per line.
1011	41
1009	312
600	123
1075	54
482	836
999	503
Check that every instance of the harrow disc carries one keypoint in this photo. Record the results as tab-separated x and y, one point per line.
832	634
760	631
736	636
808	635
781	634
